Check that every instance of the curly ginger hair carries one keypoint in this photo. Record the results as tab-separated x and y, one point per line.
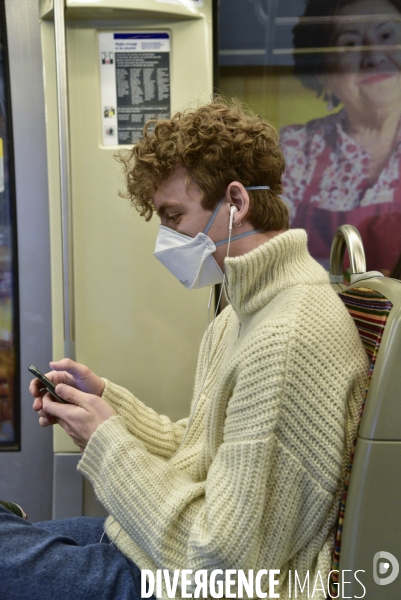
216	143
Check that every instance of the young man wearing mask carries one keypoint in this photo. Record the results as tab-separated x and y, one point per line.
252	480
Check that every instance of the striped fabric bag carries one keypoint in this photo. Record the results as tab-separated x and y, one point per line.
370	311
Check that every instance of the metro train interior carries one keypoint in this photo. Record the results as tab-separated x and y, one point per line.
77	275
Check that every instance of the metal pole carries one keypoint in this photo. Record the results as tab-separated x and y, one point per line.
65	177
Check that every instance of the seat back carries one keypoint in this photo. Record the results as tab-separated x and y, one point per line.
370	514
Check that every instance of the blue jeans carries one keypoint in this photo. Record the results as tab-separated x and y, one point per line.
63	560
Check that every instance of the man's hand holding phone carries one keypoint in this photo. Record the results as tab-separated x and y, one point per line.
81	389
73	374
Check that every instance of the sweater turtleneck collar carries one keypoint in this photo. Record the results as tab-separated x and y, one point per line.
255	278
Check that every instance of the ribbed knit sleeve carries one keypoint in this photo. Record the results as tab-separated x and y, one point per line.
159	434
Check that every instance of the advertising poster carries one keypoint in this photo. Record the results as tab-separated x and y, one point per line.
327	75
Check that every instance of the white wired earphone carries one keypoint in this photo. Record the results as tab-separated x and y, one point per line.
233	210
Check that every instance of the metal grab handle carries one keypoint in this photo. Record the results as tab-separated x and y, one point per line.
65	177
346	236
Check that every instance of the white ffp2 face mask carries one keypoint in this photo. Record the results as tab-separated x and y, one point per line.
190	259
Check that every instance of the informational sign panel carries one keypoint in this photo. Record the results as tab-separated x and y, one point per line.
135	83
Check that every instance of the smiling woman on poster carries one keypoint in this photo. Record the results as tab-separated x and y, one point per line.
345	167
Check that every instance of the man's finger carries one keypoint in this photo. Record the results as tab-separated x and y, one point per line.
56	410
71	394
46	421
52	420
52	408
37	403
35	388
66	364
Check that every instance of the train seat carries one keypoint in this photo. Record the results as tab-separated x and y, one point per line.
369	528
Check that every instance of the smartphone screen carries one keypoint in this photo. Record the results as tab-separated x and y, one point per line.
49	385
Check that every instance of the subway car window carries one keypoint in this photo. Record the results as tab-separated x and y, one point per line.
327	75
9	394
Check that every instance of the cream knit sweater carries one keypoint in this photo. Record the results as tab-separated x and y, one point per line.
253	481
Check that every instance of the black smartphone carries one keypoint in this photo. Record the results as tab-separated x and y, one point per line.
48	385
